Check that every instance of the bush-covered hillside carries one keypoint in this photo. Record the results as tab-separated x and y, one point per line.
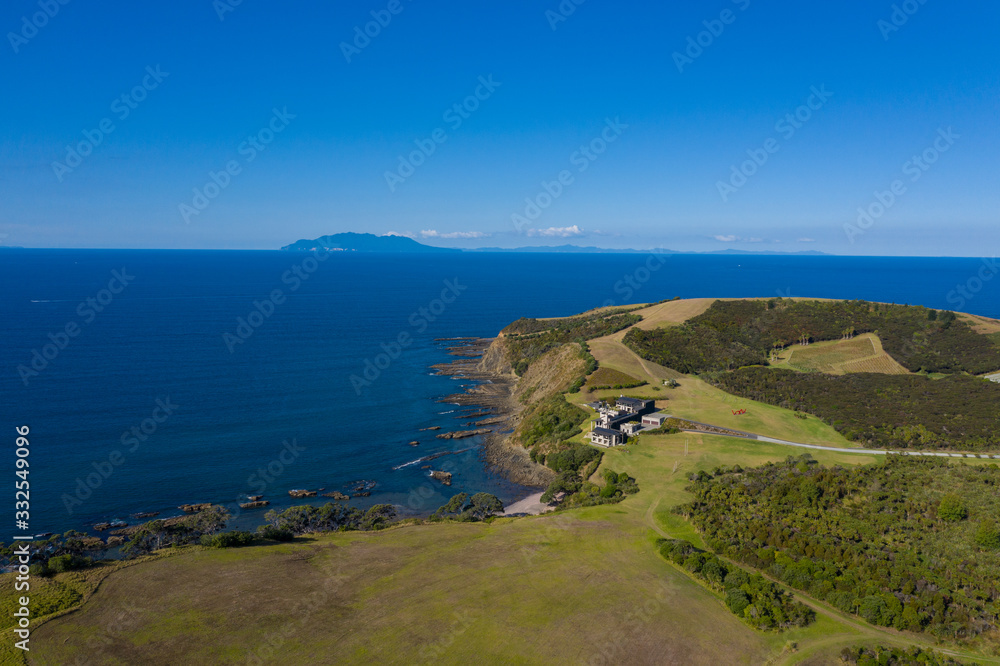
882	411
909	543
528	339
732	334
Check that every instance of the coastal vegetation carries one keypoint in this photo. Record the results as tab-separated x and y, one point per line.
733	334
899	543
758	601
330	517
468	509
549	423
882	411
526	340
894	656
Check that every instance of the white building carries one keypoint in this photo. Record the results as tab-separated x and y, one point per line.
606	437
654	420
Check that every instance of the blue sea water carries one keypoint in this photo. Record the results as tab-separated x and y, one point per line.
273	407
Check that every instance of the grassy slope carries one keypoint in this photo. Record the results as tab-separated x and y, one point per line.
550	589
837	357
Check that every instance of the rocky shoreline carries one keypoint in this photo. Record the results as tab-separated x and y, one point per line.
492	400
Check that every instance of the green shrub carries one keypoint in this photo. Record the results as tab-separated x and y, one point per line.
987	535
272	533
952	509
233	539
68	562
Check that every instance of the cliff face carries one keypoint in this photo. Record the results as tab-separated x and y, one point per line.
495	361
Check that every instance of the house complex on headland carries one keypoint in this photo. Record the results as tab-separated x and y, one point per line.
615	424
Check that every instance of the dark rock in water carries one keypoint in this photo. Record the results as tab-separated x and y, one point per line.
431	428
100	527
254	505
145	514
414	443
254	498
195	508
302	493
118	524
425	467
462	434
116	540
362	485
337	495
443	477
361	494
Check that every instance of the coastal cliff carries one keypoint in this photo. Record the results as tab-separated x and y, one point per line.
515	400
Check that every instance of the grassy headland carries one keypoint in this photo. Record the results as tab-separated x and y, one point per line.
582	585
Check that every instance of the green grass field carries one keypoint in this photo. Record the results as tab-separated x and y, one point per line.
837	357
562	588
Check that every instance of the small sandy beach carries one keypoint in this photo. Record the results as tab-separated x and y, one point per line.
531	505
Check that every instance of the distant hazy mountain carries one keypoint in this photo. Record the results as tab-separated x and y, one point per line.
576	249
352	242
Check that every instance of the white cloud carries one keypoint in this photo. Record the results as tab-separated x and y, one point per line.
433	233
807	240
556	232
737	239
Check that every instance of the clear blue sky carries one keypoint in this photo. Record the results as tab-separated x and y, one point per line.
656	185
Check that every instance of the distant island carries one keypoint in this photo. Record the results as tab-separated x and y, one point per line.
355	242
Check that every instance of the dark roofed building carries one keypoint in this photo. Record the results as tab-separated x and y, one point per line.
634	405
606	437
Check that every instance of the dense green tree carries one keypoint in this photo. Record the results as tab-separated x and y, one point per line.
987	535
952	508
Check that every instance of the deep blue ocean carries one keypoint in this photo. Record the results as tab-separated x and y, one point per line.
157	395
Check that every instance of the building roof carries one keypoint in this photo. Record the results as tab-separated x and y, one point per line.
636	402
606	432
657	415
